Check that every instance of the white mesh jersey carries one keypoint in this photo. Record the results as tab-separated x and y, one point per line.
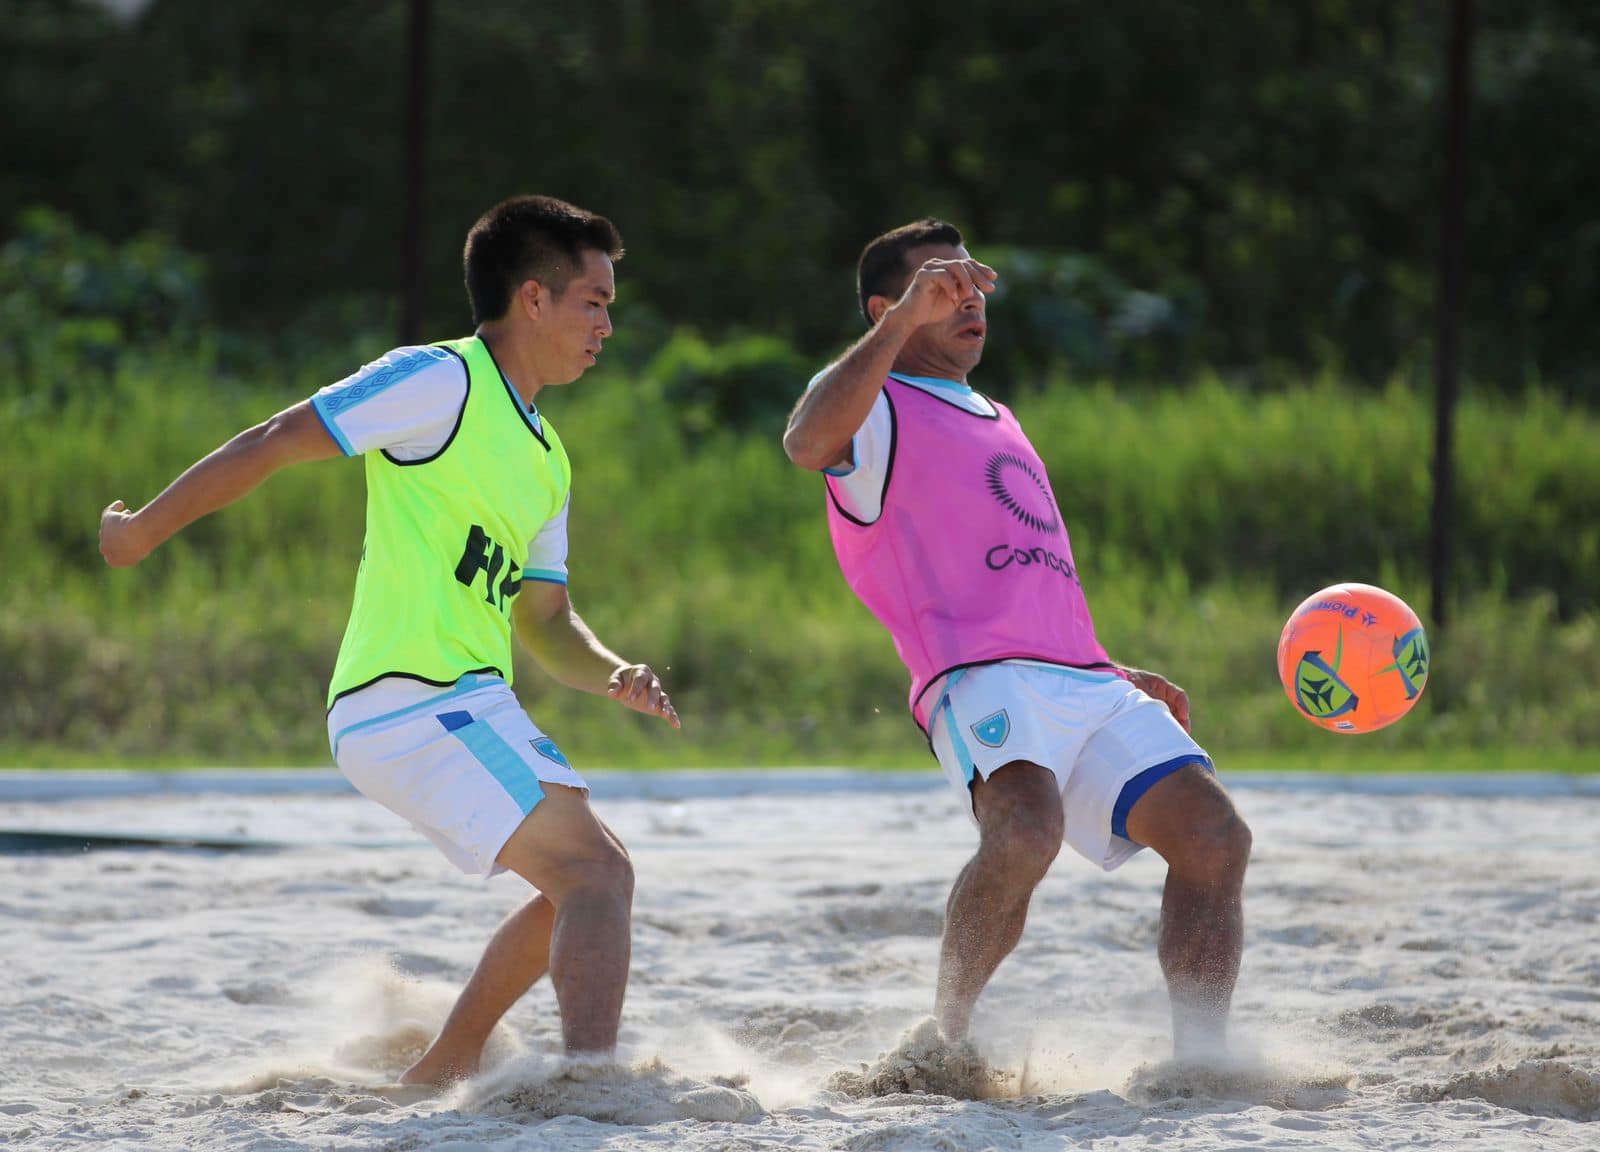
858	486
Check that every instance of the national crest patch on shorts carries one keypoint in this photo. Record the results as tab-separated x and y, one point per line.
546	747
992	730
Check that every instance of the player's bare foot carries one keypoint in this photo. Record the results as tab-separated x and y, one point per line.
439	1071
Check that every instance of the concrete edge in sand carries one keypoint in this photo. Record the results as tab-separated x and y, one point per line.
33	786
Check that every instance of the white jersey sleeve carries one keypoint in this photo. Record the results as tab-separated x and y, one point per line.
547	555
407	404
858	485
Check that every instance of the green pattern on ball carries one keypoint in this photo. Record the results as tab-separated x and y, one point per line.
1319	691
1411	660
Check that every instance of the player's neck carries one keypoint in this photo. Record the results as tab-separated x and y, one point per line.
515	359
915	365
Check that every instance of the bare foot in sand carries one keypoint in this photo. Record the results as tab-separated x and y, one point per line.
439	1069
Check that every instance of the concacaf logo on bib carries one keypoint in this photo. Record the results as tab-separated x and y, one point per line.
1025	496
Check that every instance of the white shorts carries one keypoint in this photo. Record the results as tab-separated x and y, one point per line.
1094	730
464	764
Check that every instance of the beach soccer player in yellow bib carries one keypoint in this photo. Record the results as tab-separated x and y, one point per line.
467	496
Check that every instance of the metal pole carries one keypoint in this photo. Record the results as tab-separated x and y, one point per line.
1447	314
414	226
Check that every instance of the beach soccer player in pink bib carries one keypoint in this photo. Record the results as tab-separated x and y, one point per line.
946	527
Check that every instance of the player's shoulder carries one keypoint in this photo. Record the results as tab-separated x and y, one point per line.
827	368
880	403
414	359
416	368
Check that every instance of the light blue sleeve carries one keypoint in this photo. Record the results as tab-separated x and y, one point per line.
407	403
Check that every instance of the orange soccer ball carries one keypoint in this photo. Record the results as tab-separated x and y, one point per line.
1353	658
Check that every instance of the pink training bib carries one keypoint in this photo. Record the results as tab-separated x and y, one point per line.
968	562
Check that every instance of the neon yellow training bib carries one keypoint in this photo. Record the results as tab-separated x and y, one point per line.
447	537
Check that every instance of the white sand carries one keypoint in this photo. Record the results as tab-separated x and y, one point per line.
1422	970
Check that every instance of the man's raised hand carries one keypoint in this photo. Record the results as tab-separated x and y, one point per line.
940	287
1164	690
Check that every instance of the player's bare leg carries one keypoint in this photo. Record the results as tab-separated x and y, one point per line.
1020	824
578	929
1189	819
517	956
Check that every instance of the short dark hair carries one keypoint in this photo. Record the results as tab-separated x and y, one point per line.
883	271
529	238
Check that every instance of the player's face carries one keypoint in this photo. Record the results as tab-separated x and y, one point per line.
580	318
955	345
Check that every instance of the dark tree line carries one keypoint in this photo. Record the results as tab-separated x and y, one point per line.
1237	184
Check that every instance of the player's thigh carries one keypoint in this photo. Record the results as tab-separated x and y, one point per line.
1020	800
562	846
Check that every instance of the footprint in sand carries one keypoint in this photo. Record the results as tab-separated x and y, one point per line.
1256	1084
1537	1087
648	1093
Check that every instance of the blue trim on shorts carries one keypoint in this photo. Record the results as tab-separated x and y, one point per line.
1135	789
503	762
544	575
957	745
471	682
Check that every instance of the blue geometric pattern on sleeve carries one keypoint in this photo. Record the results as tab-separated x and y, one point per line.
381	376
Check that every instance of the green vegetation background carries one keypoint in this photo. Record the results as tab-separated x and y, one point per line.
1200	517
1217	226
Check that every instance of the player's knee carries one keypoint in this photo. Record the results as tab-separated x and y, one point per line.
1215	850
605	871
616	873
1027	841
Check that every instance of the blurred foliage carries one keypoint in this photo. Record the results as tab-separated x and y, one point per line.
1067	308
1238	185
746	384
67	295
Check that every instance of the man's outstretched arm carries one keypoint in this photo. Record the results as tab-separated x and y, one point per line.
566	648
292	436
833	410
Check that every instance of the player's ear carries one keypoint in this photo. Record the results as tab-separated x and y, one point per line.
531	296
876	307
